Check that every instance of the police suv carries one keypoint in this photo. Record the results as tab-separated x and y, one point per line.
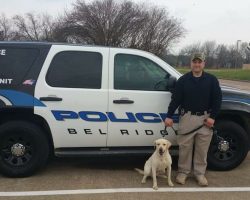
73	100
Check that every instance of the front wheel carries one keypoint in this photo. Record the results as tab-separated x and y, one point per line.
231	149
23	148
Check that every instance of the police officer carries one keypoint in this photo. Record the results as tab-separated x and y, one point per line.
198	96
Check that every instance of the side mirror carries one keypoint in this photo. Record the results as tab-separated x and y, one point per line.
171	83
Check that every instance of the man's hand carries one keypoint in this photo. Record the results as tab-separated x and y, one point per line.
209	122
169	122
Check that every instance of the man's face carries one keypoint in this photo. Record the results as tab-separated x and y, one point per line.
197	65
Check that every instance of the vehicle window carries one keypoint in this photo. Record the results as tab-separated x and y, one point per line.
15	63
76	69
133	72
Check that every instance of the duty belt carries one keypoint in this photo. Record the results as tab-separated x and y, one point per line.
182	112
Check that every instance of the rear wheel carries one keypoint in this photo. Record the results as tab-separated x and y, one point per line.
23	148
229	151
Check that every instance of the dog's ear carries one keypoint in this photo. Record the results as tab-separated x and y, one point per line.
169	144
154	144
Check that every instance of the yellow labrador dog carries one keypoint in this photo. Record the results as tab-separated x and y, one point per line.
159	161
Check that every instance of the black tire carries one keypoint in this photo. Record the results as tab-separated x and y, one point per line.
238	146
27	136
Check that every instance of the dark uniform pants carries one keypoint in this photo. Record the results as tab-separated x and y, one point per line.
199	140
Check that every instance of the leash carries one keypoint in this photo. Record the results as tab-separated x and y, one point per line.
216	136
215	132
187	133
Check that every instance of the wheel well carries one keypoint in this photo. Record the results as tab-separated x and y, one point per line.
241	118
29	116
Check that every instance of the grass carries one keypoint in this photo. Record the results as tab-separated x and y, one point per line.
230	74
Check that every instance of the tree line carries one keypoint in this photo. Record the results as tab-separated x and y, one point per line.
217	55
99	22
121	24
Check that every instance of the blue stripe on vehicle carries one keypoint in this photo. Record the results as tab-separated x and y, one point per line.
244	100
175	117
21	98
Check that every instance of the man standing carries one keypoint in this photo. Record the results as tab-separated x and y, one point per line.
198	96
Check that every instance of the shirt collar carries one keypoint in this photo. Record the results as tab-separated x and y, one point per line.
203	75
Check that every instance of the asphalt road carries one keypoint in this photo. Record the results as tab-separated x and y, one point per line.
118	172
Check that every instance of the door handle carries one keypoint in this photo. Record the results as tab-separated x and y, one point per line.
50	99
123	101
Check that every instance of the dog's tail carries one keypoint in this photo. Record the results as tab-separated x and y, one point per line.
140	171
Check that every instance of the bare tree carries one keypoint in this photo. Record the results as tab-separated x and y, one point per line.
209	48
33	27
219	56
216	55
245	52
235	58
100	22
191	49
5	28
157	32
186	52
222	56
122	24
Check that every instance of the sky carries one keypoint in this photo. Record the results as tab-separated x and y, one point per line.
224	21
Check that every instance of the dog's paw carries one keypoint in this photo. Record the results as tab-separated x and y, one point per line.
143	181
155	187
171	184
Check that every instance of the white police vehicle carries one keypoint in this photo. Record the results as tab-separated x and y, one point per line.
72	100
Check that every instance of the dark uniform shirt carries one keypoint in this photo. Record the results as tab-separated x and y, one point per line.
196	94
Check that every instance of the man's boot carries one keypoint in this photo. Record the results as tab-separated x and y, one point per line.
201	180
181	178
